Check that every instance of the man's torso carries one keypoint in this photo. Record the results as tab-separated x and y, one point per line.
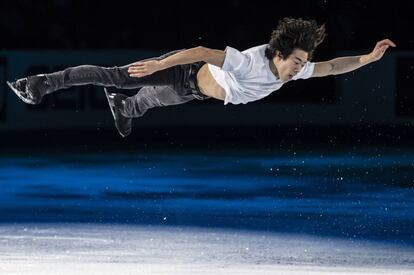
208	84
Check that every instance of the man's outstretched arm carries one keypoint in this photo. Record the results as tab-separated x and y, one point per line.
211	56
347	64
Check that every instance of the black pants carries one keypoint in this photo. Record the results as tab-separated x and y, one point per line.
172	86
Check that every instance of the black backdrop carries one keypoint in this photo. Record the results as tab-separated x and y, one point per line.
163	26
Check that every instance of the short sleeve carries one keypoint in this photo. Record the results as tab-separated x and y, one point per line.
306	71
235	60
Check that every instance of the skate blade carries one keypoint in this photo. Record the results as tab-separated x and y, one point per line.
109	103
112	108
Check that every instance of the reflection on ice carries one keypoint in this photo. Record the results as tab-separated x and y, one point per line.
357	196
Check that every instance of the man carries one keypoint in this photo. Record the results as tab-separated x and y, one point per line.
200	73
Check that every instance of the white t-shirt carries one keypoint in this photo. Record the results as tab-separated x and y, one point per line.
246	76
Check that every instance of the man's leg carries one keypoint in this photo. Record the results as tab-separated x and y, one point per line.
125	108
153	96
32	89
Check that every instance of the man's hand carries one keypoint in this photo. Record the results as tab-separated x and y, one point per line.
144	68
380	49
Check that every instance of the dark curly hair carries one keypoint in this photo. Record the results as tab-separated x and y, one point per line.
291	34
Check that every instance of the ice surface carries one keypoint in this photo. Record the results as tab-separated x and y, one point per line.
42	249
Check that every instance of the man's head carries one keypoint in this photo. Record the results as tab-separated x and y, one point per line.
292	44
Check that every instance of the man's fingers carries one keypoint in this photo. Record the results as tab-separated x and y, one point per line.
141	68
136	69
138	63
136	66
389	42
386	42
382	49
137	75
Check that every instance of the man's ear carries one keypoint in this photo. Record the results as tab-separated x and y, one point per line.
279	54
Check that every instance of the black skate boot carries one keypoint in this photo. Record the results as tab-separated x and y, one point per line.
30	89
116	103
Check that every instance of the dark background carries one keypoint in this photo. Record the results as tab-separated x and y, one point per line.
65	24
164	26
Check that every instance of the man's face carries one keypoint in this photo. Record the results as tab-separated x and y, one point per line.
289	67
